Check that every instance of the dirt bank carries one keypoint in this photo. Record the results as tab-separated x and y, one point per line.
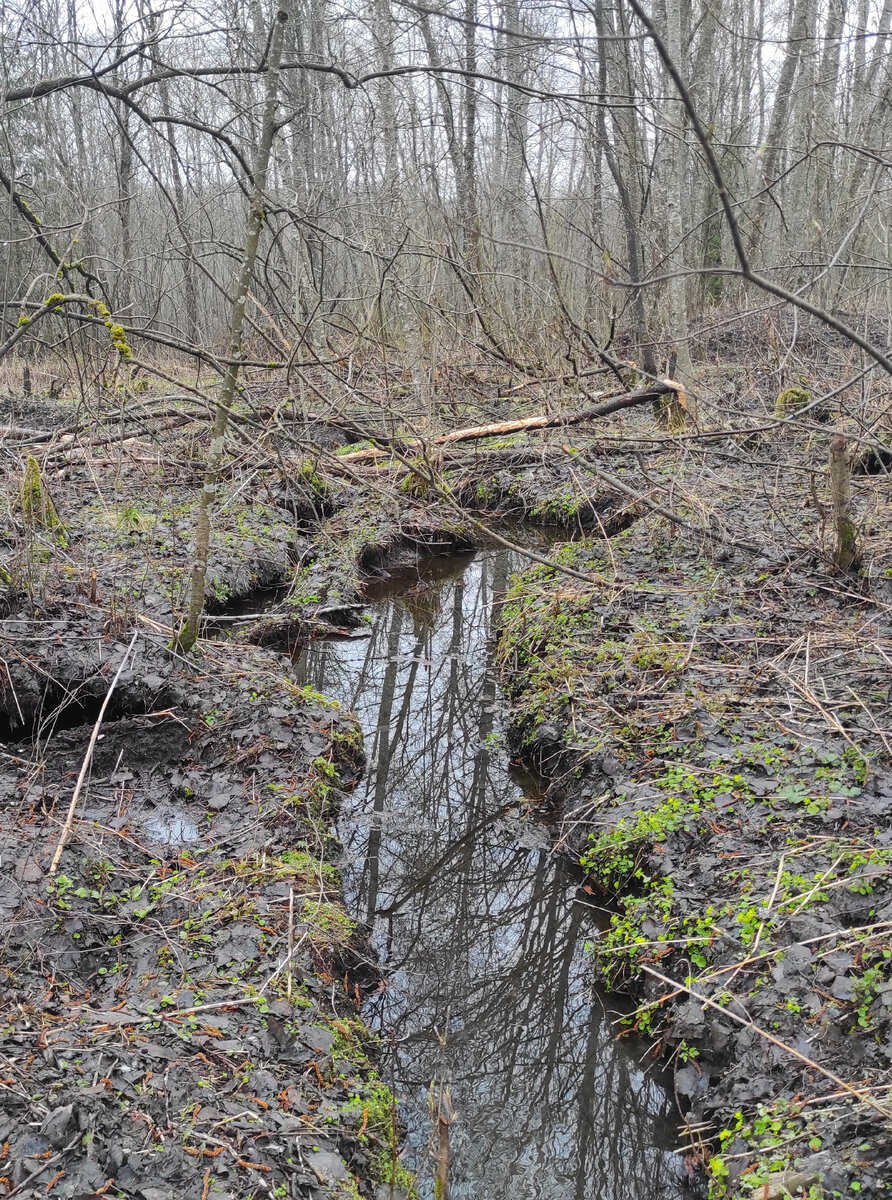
180	996
716	722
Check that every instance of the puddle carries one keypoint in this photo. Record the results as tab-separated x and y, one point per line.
480	930
169	828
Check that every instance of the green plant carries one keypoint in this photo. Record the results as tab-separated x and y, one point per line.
37	504
614	857
791	401
865	989
131	518
222	590
686	1053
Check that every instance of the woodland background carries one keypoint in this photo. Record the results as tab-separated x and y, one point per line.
448	180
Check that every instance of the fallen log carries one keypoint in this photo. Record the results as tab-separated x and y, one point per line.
610	404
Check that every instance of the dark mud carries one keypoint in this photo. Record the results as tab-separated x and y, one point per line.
546	491
718	726
179	998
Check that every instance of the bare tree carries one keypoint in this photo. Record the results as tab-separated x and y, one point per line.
241	288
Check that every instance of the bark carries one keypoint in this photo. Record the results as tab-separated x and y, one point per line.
845	549
445	1118
468	197
124	290
625	175
516	105
192	328
778	136
675	188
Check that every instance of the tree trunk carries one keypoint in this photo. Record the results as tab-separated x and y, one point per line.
242	286
775	149
675	191
625	174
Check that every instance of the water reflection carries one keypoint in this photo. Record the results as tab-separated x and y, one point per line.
479	927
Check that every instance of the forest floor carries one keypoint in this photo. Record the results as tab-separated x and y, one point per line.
709	701
716	726
180	997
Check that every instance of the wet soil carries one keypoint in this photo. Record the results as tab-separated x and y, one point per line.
717	726
179	1003
713	721
180	997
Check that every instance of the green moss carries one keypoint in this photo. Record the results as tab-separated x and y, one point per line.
119	339
313	480
847	549
373	1109
416	483
561	507
115	331
791	401
37	504
347	743
328	925
310	868
290	864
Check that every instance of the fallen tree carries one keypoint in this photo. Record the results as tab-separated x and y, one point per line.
610	404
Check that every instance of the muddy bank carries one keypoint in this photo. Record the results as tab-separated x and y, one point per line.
180	997
717	725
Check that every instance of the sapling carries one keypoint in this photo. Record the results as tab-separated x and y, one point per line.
845	550
242	286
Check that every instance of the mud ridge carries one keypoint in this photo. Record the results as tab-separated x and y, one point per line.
738	834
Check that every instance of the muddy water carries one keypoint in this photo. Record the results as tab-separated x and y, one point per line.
480	929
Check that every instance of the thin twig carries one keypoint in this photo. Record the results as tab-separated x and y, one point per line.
885	1113
88	758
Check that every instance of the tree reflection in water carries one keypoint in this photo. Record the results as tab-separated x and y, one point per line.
477	925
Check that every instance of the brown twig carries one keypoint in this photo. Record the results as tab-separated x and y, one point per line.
40	1170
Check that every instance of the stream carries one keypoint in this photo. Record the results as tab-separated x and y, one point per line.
480	930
